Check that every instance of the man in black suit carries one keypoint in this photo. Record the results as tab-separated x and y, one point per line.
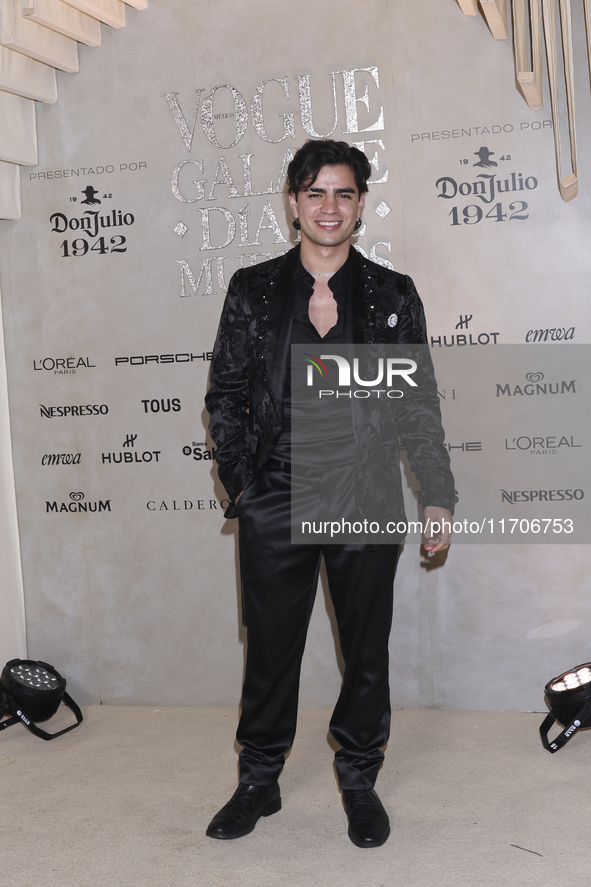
323	291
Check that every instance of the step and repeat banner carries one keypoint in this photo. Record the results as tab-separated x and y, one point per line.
162	171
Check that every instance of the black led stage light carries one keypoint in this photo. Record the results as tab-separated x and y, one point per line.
31	692
569	700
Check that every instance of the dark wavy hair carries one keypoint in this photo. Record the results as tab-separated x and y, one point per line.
316	153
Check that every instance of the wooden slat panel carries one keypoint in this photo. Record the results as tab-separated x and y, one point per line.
495	12
10	191
111	12
138	4
468	7
64	19
42	44
526	20
24	76
569	185
18	136
587	6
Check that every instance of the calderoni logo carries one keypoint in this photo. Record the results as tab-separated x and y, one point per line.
61	459
535	385
385	369
566	495
62	366
77	505
81	410
188	505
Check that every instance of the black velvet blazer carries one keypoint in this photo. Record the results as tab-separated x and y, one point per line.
248	374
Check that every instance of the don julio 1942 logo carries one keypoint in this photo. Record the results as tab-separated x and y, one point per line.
88	232
493	192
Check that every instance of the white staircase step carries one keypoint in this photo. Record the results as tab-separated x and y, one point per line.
18	135
24	76
111	12
40	43
64	19
10	191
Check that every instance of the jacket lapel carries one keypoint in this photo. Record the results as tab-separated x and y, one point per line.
279	323
359	298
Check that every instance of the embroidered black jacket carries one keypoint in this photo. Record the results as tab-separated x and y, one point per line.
248	373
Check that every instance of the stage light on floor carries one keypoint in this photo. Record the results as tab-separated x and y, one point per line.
569	699
31	692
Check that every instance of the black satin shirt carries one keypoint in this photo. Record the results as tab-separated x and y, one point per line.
324	431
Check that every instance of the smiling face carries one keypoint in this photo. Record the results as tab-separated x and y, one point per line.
328	208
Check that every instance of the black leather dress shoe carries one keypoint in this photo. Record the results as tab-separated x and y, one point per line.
369	825
244	809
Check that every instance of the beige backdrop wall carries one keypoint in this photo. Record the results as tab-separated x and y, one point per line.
176	133
12	624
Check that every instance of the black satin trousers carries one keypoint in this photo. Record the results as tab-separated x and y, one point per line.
278	589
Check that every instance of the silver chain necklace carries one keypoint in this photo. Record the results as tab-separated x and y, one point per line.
318	274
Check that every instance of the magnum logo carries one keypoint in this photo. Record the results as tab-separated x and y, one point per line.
76	505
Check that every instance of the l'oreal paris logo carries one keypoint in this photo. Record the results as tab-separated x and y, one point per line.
61	365
386	370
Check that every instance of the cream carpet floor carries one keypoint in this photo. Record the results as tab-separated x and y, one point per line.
124	799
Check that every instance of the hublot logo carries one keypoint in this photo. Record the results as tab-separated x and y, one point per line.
129	456
467	338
